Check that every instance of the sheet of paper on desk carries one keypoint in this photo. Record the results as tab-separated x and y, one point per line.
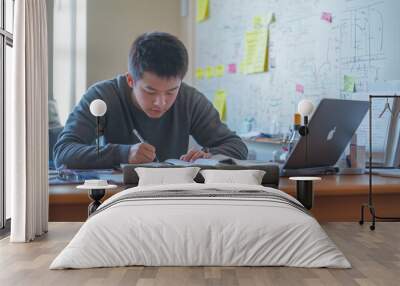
116	179
200	161
78	176
394	173
217	160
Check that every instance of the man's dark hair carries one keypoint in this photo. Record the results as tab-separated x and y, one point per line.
159	53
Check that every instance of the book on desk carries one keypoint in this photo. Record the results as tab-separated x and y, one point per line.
78	176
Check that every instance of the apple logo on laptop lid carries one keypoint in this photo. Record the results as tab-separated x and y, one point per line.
331	134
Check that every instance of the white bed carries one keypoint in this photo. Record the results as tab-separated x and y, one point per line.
242	227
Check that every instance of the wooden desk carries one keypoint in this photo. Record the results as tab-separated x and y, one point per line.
67	203
337	198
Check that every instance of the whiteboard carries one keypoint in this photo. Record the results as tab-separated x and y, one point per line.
363	41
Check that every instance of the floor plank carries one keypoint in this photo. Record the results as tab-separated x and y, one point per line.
375	257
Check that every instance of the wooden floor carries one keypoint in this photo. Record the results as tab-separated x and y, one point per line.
375	257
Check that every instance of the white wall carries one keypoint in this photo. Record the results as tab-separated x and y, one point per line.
69	54
100	42
188	35
113	25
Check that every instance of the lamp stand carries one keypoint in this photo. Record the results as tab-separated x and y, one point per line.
304	185
98	135
96	195
303	130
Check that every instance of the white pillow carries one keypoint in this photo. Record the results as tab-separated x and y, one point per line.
165	176
248	177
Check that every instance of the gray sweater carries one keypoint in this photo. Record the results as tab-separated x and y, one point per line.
191	114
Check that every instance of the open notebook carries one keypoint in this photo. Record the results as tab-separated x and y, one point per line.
201	161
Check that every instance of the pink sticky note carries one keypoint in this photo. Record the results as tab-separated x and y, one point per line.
299	88
232	68
326	17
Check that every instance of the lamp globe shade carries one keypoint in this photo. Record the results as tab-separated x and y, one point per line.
98	107
305	107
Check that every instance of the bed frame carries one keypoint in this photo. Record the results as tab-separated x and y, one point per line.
131	178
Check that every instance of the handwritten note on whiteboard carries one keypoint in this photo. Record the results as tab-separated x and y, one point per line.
199	73
209	72
232	68
219	70
326	16
256	51
219	103
349	83
202	10
299	88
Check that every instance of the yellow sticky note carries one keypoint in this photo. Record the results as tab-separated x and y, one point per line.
199	73
219	103
349	83
256	51
209	72
242	67
219	70
202	10
258	22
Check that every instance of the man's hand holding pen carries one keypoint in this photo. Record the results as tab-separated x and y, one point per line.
141	153
144	153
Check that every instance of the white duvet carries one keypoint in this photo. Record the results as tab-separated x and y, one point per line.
200	231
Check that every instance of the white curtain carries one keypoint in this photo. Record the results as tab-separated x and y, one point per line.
27	145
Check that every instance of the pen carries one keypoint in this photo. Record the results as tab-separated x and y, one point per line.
141	140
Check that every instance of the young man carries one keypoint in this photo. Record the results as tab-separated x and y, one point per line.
152	99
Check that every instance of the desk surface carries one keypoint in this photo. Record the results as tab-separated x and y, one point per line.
337	198
328	186
347	185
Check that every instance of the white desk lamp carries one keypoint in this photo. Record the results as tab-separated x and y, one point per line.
96	188
305	108
98	108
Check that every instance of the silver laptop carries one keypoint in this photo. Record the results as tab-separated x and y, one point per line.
330	130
